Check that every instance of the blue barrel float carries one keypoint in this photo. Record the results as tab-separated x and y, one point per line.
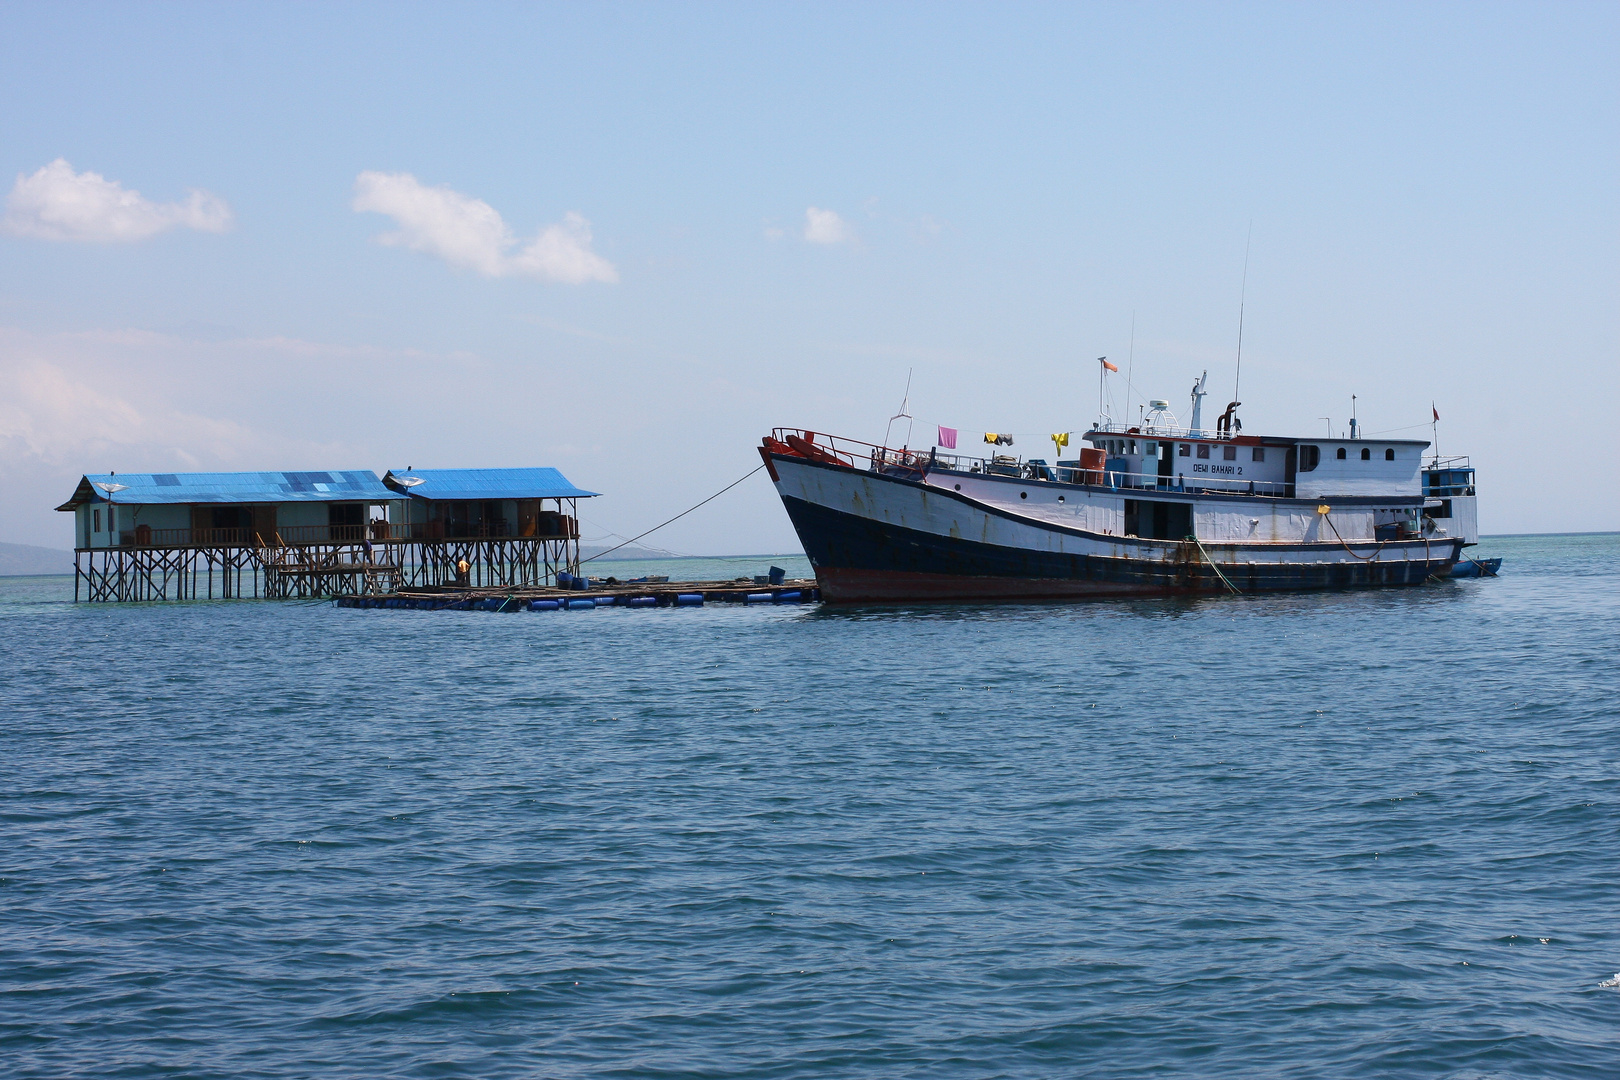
581	603
689	599
543	605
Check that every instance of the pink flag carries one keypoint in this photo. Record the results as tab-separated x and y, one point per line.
947	438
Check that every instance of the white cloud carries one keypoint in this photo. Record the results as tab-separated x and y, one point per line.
57	203
826	227
469	233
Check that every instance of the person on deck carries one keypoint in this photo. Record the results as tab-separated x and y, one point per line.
463	569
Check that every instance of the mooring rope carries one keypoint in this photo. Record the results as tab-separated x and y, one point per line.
1428	556
1214	567
1376	550
677	517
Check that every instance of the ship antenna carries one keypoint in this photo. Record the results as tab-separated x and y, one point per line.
1130	371
904	402
1242	300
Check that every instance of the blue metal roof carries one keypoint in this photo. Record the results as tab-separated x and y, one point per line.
485	484
147	489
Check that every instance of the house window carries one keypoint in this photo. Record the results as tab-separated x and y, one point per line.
1229	453
1186	450
1203	450
1366	453
1340	454
112	518
1389	455
95	516
1259	454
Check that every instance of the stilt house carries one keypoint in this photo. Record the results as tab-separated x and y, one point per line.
176	536
511	526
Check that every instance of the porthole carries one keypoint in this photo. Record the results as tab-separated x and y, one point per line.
958	487
1062	499
1023	494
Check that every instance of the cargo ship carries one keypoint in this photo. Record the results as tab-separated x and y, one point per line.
1151	508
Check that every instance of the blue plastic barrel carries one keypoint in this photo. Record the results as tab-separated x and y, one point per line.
788	597
759	598
564	579
606	601
642	601
582	603
690	599
543	605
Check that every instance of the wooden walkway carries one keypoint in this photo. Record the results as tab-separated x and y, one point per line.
620	594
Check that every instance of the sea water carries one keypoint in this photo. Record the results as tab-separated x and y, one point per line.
1343	834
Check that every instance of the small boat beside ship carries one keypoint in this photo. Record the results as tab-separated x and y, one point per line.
1151	508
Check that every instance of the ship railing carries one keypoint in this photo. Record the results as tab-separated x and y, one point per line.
1180	482
918	463
1161	431
1447	469
887	459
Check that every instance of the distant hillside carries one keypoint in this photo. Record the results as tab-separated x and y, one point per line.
26	560
640	554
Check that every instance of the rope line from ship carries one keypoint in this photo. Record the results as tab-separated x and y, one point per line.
1428	554
677	517
1215	567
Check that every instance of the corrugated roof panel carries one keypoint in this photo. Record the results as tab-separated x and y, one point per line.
540	483
246	487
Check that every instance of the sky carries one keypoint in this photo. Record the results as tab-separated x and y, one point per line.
627	240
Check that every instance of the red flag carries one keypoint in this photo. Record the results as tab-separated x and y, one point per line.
1103	360
1435	411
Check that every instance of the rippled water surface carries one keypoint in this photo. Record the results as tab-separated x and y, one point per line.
1370	834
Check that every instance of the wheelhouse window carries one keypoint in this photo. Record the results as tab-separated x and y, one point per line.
1389	454
1203	450
1229	453
1340	455
1259	454
1366	453
1309	457
1186	450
